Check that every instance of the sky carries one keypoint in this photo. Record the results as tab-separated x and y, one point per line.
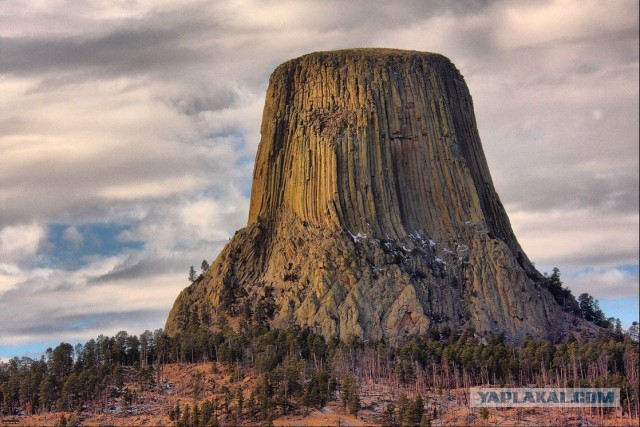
128	131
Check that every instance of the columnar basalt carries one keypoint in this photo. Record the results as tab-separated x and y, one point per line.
373	213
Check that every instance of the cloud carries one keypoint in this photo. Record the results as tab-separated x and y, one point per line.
606	282
73	236
150	188
20	241
542	23
38	308
575	237
144	117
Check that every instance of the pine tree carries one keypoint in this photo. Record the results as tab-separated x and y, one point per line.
239	400
195	416
403	408
186	416
633	331
389	416
347	385
415	411
354	403
350	397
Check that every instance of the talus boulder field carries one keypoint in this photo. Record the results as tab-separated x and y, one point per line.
373	213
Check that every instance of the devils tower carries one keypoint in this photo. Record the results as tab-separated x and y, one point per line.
373	213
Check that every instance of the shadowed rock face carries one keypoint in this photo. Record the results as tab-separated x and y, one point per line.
373	212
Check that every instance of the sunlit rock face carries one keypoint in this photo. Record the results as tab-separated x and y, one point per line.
373	213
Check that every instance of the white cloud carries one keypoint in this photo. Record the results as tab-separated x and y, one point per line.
38	303
577	237
151	189
20	241
10	274
536	23
604	283
148	114
73	236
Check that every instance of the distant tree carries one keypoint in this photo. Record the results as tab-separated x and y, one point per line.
146	348
415	411
389	416
174	414
206	413
239	400
484	414
350	397
195	416
230	294
247	310
62	361
47	393
561	294
633	331
347	385
587	307
192	274
354	403
601	318
317	390
590	310
196	384
553	282
403	407
74	421
618	327
186	416
204	266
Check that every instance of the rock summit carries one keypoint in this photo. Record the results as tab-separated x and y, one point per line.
373	213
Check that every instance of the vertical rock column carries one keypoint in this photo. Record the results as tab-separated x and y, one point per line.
372	211
374	141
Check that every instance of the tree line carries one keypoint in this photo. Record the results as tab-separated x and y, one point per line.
296	368
585	306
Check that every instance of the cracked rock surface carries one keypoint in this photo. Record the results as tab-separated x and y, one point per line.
373	213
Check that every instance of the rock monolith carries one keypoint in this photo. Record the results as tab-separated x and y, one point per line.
373	213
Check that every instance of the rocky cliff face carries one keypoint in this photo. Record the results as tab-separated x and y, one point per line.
373	212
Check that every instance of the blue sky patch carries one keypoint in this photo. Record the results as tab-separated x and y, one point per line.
626	309
70	247
633	269
33	351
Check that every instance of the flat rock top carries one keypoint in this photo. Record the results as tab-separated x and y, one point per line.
379	55
369	52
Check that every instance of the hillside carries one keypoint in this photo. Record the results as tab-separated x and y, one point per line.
295	377
152	409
